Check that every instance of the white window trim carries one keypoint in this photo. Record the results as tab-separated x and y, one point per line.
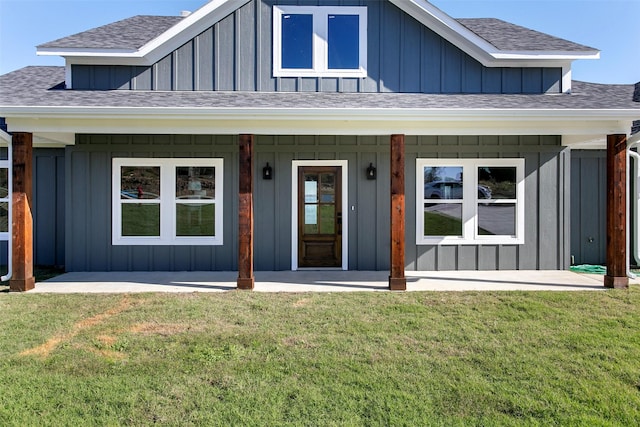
320	30
295	164
167	202
470	203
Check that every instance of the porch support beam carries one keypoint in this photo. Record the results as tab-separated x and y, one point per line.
22	279
397	279
616	276
246	279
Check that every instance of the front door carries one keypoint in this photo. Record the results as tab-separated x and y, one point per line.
319	216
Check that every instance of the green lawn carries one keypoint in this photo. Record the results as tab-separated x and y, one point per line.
243	358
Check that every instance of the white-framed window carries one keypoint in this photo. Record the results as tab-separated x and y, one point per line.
319	41
469	201
167	201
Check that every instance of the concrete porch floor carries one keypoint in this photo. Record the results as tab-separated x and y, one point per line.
319	281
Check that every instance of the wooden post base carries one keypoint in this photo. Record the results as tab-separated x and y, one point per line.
397	283
246	284
22	285
616	282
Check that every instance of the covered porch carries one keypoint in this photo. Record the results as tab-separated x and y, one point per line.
320	281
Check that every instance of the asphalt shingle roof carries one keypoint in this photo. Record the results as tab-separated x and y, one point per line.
130	34
135	32
43	87
510	37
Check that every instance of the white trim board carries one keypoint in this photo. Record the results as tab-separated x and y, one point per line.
295	164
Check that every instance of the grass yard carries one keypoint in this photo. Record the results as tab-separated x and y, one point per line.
242	358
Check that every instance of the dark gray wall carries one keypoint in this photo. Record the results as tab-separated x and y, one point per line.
546	204
89	202
588	206
48	206
403	56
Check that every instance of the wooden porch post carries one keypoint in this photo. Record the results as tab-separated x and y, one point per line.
616	276
397	279
245	212
22	278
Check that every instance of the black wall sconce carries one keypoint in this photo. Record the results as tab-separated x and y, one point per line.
371	172
267	172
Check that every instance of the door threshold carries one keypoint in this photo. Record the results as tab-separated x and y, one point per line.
320	269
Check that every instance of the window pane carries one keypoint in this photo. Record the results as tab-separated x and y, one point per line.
140	182
310	188
497	219
443	182
327	219
297	41
311	219
327	187
195	182
4	217
195	219
443	219
140	219
344	44
496	182
4	182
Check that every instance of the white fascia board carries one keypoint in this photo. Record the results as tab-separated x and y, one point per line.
158	48
474	45
321	122
5	138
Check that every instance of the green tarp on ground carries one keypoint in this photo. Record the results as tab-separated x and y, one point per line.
588	268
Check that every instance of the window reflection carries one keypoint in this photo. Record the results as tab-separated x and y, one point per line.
140	182
496	182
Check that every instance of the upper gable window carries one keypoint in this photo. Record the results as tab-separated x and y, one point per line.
319	41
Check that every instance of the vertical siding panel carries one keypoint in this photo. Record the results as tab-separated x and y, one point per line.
576	211
431	62
184	67
265	218
142	78
60	209
283	202
488	257
532	80
225	43
365	217
411	61
528	253
81	76
246	54
44	208
472	75
374	43
411	249
390	50
548	212
467	258
264	47
99	211
452	58
492	80
551	78
164	73
511	80
383	211
121	78
353	177
205	60
76	224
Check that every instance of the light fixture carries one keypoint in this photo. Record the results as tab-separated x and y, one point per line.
267	172
371	172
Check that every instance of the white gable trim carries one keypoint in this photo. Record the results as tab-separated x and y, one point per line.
477	47
158	48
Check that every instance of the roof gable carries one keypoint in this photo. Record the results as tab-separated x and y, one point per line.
143	40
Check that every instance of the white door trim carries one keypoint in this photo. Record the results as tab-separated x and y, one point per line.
295	164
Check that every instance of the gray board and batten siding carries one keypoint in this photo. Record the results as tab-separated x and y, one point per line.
236	54
588	206
88	202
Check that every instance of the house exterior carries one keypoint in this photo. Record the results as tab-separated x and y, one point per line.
279	135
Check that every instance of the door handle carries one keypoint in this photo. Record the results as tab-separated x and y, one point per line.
339	222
